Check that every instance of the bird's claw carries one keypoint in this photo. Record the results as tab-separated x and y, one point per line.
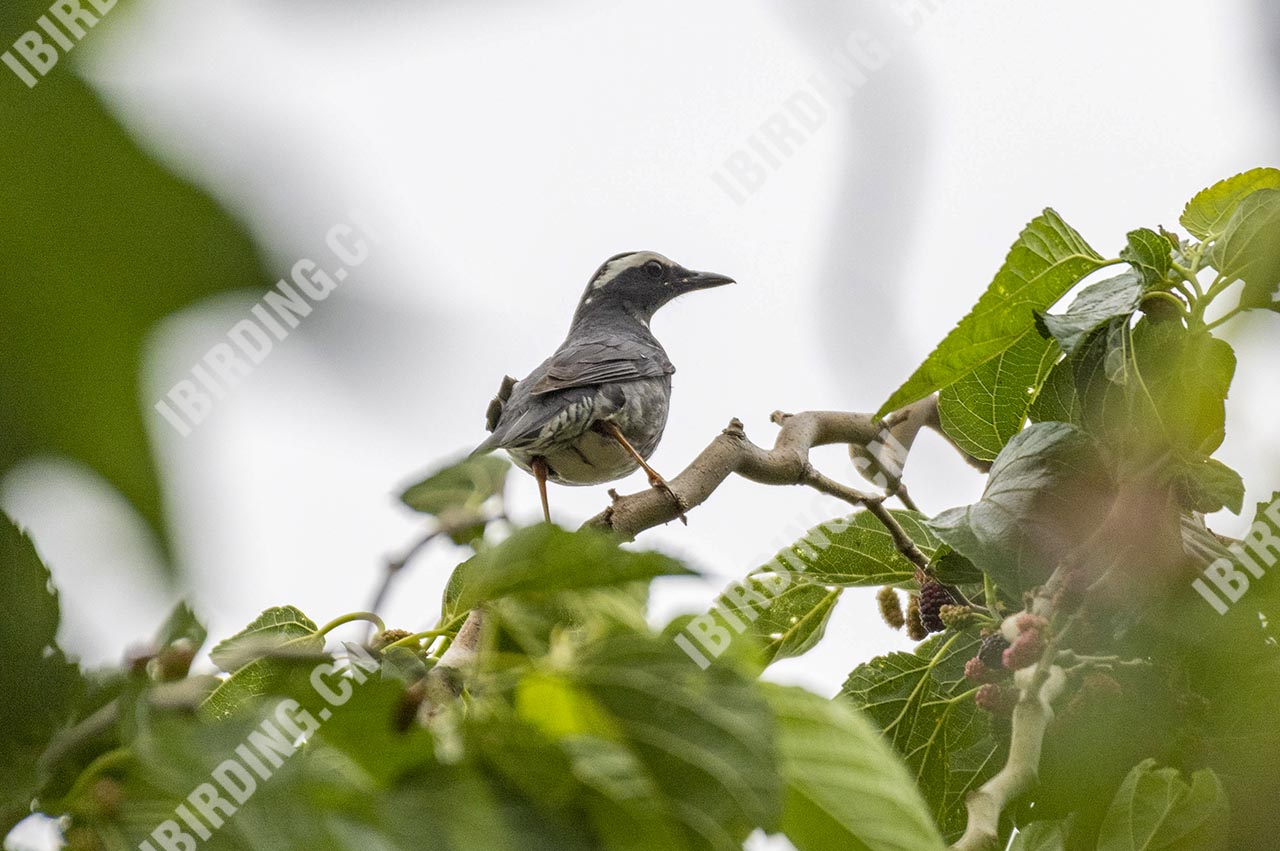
661	484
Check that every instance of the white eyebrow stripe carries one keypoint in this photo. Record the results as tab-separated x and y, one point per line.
619	265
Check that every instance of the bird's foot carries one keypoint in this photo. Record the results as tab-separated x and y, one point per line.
656	481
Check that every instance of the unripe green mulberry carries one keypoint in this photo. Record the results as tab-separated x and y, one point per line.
915	629
890	607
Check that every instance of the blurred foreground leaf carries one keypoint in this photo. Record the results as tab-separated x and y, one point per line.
464	485
547	558
1157	810
38	684
100	243
845	788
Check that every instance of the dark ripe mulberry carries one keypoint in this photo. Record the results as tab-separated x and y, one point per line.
1027	650
997	700
991	651
890	607
915	629
933	596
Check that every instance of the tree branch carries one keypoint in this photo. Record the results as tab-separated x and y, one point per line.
878	447
881	443
444	682
1040	687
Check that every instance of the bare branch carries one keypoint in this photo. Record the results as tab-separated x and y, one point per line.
787	463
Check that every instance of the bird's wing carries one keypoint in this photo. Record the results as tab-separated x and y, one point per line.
523	421
585	364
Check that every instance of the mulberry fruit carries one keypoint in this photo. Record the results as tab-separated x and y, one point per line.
933	596
978	672
915	629
1027	650
390	636
991	652
890	607
997	700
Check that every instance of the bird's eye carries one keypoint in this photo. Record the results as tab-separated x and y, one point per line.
653	269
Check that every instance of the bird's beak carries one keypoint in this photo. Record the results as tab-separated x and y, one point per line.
691	280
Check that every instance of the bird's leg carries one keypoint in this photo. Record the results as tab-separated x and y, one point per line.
539	467
655	479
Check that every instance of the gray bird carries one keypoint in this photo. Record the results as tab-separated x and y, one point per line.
595	410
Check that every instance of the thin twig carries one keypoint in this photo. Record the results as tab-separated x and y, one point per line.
905	498
395	565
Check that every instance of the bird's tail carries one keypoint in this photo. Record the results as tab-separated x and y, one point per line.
489	444
493	416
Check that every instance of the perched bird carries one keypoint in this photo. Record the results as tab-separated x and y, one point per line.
595	410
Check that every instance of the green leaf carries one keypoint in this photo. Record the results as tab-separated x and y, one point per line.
462	485
533	620
1207	485
78	313
260	678
857	551
1155	388
987	407
1150	254
39	686
1040	836
596	788
368	728
181	625
784	614
275	629
547	558
1057	400
1157	810
1045	492
316	798
706	738
1249	249
1206	215
1108	300
845	787
1046	261
627	810
921	704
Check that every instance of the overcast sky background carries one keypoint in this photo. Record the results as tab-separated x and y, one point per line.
505	149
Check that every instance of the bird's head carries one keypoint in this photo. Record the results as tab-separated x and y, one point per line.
638	283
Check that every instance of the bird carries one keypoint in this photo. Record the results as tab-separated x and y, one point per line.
596	409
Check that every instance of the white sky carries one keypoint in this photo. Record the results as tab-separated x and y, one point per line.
505	149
